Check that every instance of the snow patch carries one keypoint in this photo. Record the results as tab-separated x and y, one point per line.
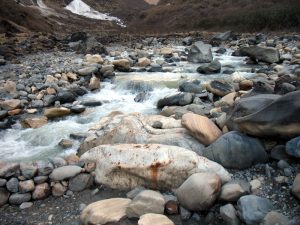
80	8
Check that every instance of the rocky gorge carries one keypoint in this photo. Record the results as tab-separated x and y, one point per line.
201	129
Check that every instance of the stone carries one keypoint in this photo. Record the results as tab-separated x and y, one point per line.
265	54
245	85
65	172
233	190
236	150
229	215
152	218
279	153
3	114
65	143
185	214
45	167
88	71
34	122
274	120
166	52
246	106
58	190
275	218
255	185
78	109
81	182
28	170
200	53
220	37
200	127
105	211
8	170
3	182
253	209
10	104
71	76
25	205
72	159
136	128
26	186
214	67
122	65
12	185
171	207
91	59
199	191
193	86
219	87
296	186
152	165
66	96
293	147
94	83
4	195
143	62
180	98
40	179
56	112
147	201
14	112
18	199
134	192
41	191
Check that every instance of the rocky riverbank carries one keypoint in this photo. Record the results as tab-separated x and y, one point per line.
221	149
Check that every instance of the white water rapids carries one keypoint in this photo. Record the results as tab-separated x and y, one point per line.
80	8
19	144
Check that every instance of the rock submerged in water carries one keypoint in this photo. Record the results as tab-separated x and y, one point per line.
127	166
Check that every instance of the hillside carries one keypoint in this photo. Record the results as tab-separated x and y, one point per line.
142	17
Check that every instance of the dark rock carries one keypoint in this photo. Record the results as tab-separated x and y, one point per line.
4	195
66	97
236	150
3	114
141	97
2	182
274	120
187	41
213	67
253	209
286	88
91	103
78	36
219	87
80	182
180	99
247	106
265	54
260	87
78	109
219	38
200	53
78	136
18	199
40	179
155	68
221	51
171	207
279	153
293	147
79	91
185	214
193	86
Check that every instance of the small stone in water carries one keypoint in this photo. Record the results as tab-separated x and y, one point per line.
26	205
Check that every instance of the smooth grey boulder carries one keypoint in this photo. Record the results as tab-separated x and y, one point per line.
253	209
265	54
293	147
65	172
180	99
236	150
200	53
13	185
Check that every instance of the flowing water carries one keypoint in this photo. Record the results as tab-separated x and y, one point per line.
28	144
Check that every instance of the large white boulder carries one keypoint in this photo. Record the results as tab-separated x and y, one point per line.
126	166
